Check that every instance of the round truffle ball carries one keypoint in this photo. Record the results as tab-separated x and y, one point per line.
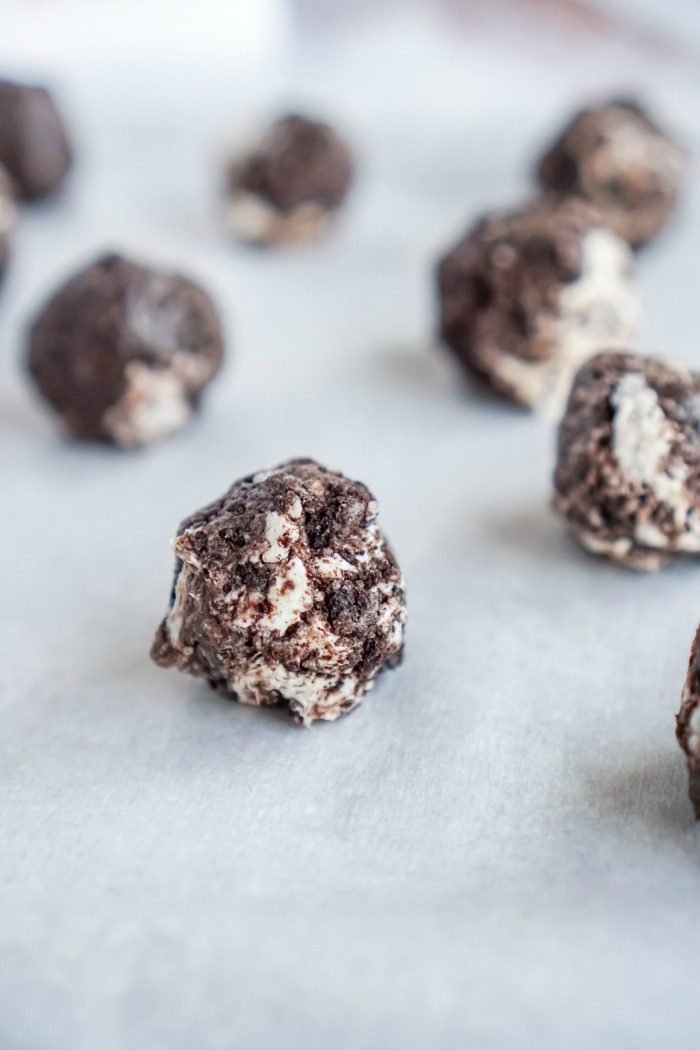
527	296
627	478
34	145
7	219
286	592
688	723
123	352
615	157
290	184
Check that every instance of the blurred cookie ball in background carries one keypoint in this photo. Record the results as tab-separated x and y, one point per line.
527	296
617	158
123	352
627	478
288	186
286	592
7	218
34	146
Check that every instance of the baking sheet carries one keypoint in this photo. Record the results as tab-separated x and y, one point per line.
496	850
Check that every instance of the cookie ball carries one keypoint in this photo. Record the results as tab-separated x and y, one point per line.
527	296
286	592
123	352
289	186
688	723
627	479
615	157
34	145
7	219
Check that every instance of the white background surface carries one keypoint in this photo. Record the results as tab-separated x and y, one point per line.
496	850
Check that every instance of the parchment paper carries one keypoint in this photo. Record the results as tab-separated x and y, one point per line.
496	850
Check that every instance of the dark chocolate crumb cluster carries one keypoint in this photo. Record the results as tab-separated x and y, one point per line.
290	184
527	296
123	352
286	592
34	147
627	478
616	157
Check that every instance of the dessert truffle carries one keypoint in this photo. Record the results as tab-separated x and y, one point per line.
688	723
527	296
34	145
627	478
615	157
290	184
123	352
286	592
7	219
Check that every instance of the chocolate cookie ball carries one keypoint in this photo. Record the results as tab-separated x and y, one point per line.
688	723
615	157
527	296
291	183
7	219
33	141
627	478
123	352
286	592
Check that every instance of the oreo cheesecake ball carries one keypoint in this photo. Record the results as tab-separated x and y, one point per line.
123	352
286	592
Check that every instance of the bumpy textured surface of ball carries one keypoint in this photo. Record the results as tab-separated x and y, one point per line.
616	157
34	147
289	186
286	592
688	723
526	297
627	478
123	352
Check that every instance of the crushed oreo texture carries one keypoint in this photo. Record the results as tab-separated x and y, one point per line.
289	186
123	352
627	478
286	592
615	157
34	146
297	161
502	311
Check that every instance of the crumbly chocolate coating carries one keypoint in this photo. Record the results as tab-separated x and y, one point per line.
34	145
286	592
290	184
123	351
688	723
627	478
7	219
616	157
527	296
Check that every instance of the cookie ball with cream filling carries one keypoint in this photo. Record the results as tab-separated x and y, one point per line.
527	296
123	352
286	592
34	147
615	157
290	184
627	479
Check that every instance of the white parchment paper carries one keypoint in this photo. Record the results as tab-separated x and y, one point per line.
496	850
